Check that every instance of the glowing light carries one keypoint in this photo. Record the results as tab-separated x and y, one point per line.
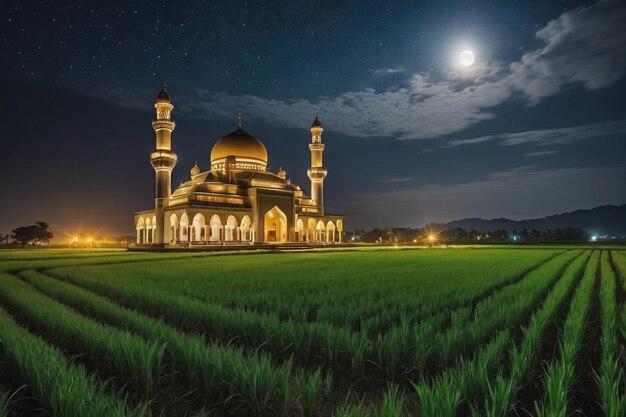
431	238
466	58
594	238
89	239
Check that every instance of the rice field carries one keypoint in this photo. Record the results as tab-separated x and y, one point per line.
348	333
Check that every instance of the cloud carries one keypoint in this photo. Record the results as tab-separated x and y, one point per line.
540	153
582	47
519	193
559	136
388	71
401	179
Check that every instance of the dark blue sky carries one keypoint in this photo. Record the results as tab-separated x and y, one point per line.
535	126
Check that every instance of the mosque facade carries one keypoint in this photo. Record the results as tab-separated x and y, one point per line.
238	201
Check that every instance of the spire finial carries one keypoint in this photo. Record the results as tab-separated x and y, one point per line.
239	121
164	86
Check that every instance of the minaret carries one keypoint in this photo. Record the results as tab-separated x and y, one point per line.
163	159
317	173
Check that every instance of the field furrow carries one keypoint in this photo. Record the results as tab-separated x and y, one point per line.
127	356
402	348
559	376
610	375
502	390
65	388
222	371
372	332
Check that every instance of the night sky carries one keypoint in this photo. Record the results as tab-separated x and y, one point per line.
535	126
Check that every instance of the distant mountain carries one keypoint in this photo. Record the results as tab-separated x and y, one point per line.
604	220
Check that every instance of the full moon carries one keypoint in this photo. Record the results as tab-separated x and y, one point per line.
466	58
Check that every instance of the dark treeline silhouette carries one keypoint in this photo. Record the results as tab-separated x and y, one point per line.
458	235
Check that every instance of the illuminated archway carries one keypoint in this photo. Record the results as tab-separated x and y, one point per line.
230	229
339	229
246	225
330	232
148	238
198	229
275	225
140	230
310	230
173	226
320	232
216	226
184	227
299	230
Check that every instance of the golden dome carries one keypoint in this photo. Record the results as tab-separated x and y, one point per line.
241	145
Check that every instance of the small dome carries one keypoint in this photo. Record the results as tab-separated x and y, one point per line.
164	96
195	170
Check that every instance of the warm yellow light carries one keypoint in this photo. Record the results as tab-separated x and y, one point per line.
89	240
431	237
74	238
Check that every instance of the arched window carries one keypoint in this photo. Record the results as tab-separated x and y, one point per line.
230	229
197	228
216	224
246	226
184	225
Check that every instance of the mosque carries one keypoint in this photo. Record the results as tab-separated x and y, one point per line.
238	200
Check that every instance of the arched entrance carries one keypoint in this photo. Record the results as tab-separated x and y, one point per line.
275	226
320	229
299	230
198	229
184	228
173	227
230	229
216	228
140	231
330	232
310	230
246	225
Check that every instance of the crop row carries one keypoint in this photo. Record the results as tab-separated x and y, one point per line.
63	387
396	352
251	382
611	375
559	375
339	291
471	380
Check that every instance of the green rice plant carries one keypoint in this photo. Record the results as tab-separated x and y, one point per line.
441	401
223	371
131	355
182	300
560	374
257	385
502	390
309	386
63	387
393	403
284	380
611	374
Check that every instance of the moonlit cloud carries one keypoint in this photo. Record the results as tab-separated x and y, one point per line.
540	153
583	47
544	137
388	71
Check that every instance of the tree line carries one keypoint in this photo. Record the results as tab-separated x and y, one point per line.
409	235
35	234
